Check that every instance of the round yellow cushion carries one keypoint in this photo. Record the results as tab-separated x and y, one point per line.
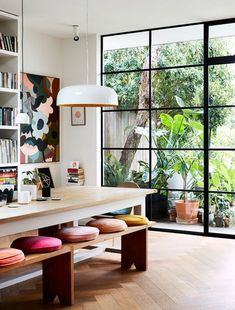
133	220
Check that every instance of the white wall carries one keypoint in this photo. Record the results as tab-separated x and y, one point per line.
43	55
81	142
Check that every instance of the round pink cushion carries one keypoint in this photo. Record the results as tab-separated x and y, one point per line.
10	256
107	225
37	244
77	234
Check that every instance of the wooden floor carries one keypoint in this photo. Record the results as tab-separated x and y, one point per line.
185	272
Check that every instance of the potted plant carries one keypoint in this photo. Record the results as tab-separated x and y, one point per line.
31	183
191	170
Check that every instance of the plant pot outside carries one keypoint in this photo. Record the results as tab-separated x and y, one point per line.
159	206
219	221
172	215
227	221
187	210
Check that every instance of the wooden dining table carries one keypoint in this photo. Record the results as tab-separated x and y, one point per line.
71	203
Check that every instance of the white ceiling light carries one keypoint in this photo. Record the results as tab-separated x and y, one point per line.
87	95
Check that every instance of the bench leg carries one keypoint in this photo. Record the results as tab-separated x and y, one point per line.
134	250
58	279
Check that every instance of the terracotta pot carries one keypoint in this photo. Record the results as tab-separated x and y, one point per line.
187	209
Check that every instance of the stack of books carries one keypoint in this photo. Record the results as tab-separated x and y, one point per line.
8	151
75	176
8	43
8	116
8	80
8	176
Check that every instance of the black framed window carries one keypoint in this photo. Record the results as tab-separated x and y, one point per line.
174	127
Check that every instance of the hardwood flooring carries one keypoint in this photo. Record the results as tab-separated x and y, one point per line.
185	272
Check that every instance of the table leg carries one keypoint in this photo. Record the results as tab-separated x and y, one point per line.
58	279
134	250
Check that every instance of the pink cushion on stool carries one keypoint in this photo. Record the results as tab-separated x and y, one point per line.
10	256
77	234
107	225
37	244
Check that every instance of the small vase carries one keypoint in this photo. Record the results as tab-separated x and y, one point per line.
30	188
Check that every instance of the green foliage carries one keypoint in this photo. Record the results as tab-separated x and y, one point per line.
172	133
32	177
114	171
222	172
125	84
173	88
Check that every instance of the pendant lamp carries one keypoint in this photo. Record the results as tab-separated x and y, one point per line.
21	117
87	95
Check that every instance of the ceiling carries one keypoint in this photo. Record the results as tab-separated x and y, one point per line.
55	17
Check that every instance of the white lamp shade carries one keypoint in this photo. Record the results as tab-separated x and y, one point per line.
87	96
22	118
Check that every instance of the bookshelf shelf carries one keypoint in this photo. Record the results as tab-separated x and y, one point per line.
8	127
8	165
5	53
9	90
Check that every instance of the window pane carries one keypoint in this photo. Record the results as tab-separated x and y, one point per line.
221	213
222	171
132	89
177	128
222	127
177	46
177	169
126	52
177	87
126	165
222	40
222	84
121	129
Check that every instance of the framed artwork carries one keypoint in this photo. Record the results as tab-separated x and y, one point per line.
45	177
40	140
78	116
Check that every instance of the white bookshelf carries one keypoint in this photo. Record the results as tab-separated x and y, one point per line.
9	97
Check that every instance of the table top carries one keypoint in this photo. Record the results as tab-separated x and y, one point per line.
72	198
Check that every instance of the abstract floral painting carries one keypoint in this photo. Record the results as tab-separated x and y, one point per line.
39	141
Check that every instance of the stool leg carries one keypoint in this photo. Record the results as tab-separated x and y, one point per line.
134	250
58	279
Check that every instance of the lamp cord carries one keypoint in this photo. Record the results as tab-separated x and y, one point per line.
87	54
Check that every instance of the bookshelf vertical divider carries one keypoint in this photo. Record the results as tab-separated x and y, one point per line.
10	50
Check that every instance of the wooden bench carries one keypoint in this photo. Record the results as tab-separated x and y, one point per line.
58	266
54	283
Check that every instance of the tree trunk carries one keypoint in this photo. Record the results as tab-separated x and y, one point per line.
133	139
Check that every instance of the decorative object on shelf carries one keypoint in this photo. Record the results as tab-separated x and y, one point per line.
87	95
40	139
75	175
8	190
45	177
31	183
78	116
3	200
8	176
24	197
